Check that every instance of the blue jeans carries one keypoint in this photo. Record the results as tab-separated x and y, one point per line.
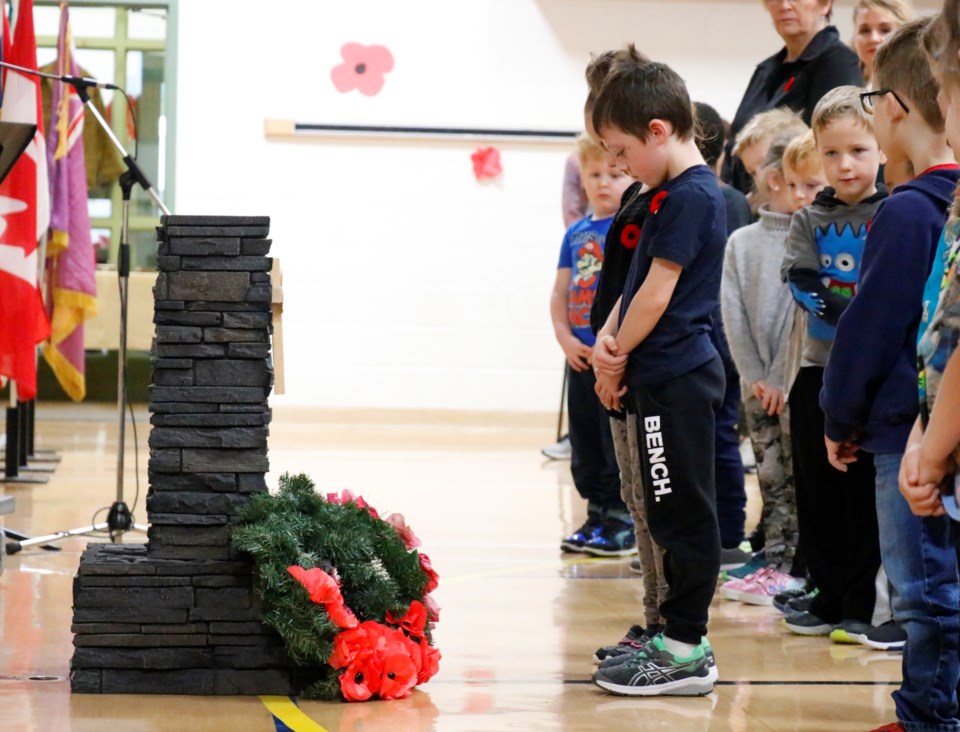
921	564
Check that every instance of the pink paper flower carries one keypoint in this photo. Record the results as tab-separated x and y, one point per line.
433	609
486	163
362	69
405	533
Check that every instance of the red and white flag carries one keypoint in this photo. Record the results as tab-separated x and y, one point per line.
24	212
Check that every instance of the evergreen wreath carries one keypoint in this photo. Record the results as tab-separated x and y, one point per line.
345	589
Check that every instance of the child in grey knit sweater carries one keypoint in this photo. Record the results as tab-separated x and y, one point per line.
758	311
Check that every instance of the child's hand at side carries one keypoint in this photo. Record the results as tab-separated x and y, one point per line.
577	352
607	359
841	454
923	498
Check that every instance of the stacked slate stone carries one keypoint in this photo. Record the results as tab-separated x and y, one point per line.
179	615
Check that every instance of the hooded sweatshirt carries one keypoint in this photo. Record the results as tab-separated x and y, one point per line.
822	264
870	384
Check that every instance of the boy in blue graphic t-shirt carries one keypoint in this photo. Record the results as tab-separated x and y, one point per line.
608	530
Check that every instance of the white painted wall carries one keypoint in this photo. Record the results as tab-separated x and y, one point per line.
408	284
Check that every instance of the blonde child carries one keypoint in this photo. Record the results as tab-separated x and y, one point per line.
754	140
758	313
608	530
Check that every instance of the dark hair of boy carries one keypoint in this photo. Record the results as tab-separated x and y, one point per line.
635	93
901	65
599	66
710	133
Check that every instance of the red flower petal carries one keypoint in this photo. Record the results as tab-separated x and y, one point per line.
341	615
430	662
413	621
486	163
362	69
657	201
347	645
399	674
405	533
322	587
361	679
433	579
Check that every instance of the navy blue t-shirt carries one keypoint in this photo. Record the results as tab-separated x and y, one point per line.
687	226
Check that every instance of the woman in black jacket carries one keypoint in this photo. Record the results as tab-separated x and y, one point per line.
812	62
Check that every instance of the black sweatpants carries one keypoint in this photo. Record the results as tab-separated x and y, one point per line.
677	421
593	461
836	512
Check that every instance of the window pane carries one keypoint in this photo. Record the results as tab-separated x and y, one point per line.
145	87
46	20
90	22
147	24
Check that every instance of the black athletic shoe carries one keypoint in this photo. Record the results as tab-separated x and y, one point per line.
632	642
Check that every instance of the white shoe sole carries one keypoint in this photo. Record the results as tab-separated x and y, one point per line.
823	630
752	598
698	686
728	594
896	646
607	553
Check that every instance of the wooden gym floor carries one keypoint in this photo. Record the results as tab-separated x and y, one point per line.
519	620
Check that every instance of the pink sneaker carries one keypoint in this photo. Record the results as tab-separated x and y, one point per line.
762	586
735	588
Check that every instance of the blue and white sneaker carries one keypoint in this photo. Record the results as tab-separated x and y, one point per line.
578	539
655	671
615	538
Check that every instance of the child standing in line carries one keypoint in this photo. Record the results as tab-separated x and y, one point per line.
869	385
836	511
618	253
608	530
758	311
657	344
754	140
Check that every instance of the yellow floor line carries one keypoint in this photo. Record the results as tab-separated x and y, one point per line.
283	708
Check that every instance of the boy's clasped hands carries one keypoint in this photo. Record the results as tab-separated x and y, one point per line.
921	476
609	366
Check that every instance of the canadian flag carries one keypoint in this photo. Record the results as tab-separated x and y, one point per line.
24	211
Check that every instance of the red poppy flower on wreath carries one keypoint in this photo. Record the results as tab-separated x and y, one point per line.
657	201
630	236
430	662
322	587
789	84
399	674
486	163
433	579
347	645
361	679
414	621
405	533
362	69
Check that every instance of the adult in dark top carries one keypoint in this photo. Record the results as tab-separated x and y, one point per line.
812	62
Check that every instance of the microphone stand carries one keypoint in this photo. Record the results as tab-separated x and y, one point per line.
119	518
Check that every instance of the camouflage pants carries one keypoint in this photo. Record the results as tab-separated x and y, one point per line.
627	448
770	436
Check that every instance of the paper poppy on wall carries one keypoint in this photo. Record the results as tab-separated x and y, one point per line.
486	163
362	69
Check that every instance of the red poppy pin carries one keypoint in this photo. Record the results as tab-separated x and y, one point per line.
630	236
486	163
789	84
362	69
657	202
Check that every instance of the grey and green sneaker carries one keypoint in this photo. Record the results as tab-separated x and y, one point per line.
850	631
655	671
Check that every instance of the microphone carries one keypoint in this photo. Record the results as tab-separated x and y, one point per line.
77	82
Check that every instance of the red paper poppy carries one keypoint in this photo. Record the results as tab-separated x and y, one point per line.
414	621
322	587
657	201
433	579
789	84
486	163
630	236
362	69
361	679
429	663
341	615
399	674
347	645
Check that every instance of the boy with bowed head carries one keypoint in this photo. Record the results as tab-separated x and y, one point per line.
657	343
869	392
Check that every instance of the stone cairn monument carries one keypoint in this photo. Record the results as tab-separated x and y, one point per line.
179	615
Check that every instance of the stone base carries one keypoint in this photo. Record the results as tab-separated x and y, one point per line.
164	626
